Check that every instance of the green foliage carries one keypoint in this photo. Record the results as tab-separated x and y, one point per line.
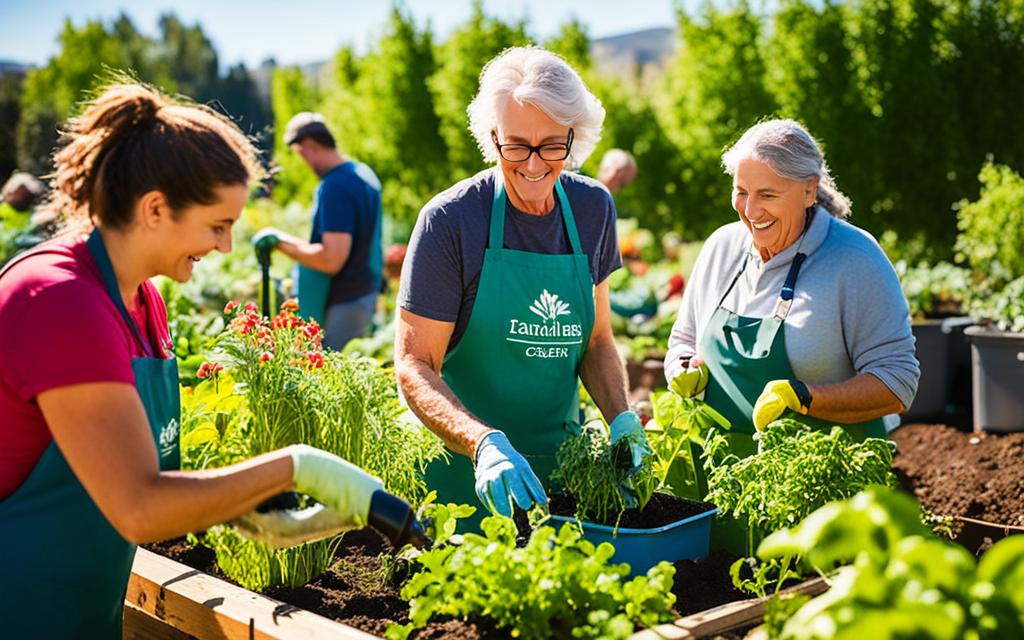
10	113
1005	306
992	227
795	471
256	566
714	89
902	581
461	58
557	585
280	388
290	94
678	427
588	469
931	289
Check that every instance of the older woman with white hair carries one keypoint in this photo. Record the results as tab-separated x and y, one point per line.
503	305
792	310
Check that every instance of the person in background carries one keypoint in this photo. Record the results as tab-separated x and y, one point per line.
23	191
503	305
89	401
617	169
339	267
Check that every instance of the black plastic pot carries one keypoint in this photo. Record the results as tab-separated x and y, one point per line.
998	388
933	354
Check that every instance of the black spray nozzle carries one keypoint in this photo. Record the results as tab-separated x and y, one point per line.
394	518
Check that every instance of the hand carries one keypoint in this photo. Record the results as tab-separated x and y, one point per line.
339	484
629	444
266	240
692	380
503	475
779	395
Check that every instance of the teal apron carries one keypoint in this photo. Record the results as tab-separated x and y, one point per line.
65	567
516	367
313	287
743	354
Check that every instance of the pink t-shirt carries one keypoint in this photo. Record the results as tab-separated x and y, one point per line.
58	327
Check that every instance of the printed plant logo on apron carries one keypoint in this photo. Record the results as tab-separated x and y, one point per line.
550	338
168	440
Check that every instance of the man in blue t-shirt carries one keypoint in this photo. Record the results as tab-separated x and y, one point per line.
345	242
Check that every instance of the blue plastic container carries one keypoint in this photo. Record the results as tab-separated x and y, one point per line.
686	539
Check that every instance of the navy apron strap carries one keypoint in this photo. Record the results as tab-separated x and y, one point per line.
789	287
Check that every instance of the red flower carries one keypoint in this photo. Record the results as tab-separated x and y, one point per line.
230	307
315	359
291	305
266	355
209	370
251	307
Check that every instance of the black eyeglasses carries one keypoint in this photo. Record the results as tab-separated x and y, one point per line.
521	152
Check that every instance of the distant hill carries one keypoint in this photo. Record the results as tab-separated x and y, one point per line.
9	66
631	52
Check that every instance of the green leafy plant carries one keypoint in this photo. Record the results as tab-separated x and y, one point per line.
588	469
1004	306
934	289
676	433
273	385
899	581
557	585
992	227
796	470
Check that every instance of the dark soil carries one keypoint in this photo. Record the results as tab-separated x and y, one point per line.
354	590
357	592
663	509
705	583
977	475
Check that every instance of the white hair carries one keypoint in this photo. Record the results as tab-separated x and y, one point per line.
787	147
535	76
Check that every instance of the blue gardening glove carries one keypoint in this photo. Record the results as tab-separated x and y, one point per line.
337	483
777	397
503	475
629	447
692	380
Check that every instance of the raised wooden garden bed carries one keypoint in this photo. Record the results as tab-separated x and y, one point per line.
167	599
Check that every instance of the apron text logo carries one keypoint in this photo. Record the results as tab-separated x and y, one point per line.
555	337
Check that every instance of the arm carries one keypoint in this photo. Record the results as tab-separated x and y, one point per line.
602	371
101	428
859	399
420	345
328	256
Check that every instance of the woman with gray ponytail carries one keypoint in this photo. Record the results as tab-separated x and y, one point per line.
792	310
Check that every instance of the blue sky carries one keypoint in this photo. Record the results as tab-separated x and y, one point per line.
308	30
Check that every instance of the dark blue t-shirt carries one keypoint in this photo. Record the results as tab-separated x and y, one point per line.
348	201
446	251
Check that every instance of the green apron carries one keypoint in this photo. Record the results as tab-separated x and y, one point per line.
65	567
313	287
743	354
516	367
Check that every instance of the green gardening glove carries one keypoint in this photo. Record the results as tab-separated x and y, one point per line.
265	241
339	484
629	448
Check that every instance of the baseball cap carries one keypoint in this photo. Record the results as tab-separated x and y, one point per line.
305	124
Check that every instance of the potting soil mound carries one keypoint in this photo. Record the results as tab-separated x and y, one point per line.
662	509
977	475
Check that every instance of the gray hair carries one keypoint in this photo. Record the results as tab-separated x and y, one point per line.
535	76
787	147
615	159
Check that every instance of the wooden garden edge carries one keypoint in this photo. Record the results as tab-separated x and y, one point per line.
200	605
726	617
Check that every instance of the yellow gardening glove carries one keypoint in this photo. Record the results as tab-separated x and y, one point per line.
779	395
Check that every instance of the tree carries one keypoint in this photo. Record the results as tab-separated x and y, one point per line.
86	56
10	114
713	90
455	83
190	58
290	94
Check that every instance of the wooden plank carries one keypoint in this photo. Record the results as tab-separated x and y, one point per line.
733	615
211	609
139	625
